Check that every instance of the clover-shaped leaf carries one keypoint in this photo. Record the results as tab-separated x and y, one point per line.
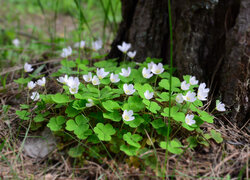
174	146
175	84
110	105
39	118
67	63
55	123
60	98
129	150
206	117
142	89
158	123
151	106
136	122
134	103
164	97
192	141
132	139
104	132
216	136
114	116
24	115
71	112
79	126
79	104
75	152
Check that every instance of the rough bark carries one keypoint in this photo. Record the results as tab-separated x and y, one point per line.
211	41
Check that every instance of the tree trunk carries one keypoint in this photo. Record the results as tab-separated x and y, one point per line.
211	41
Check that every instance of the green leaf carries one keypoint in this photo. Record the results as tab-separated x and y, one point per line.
75	152
39	118
174	146
134	103
104	132
216	136
164	97
129	150
79	104
142	89
22	80
24	106
55	123
132	139
60	98
110	105
158	123
79	126
71	112
206	117
164	83
192	142
114	116
136	122
152	106
24	115
67	63
106	64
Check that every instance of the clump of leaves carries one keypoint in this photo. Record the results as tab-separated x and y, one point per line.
110	108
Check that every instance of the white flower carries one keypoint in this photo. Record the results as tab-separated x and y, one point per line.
31	85
114	78
125	73
63	80
28	67
128	89
189	119
35	96
128	115
184	85
95	80
220	106
157	69
41	82
190	96
202	92
124	47
80	44
131	54
148	95
193	80
101	73
146	73
96	45
179	98
66	52
87	77
73	84
150	65
90	103
16	42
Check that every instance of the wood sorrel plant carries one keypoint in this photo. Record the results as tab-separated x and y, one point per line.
122	107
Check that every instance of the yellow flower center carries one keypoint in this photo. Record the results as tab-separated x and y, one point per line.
188	98
73	89
157	71
94	82
127	91
126	117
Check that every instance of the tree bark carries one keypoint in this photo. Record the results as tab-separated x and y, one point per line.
211	41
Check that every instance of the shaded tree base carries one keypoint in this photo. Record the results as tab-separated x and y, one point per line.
211	41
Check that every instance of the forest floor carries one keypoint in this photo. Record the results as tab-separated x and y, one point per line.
227	160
